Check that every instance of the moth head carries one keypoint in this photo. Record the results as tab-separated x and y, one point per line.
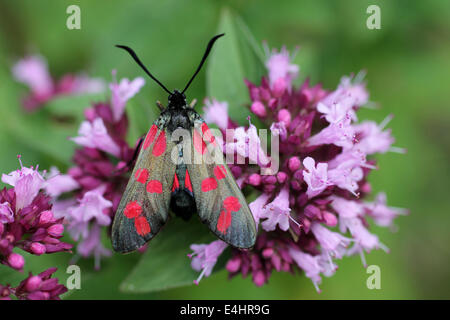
177	98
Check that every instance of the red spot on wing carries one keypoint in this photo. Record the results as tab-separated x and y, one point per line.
141	175
154	186
199	144
187	182
142	226
150	136
160	144
132	209
209	184
220	172
207	135
224	221
231	204
176	183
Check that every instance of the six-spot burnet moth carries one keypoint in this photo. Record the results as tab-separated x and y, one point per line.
168	174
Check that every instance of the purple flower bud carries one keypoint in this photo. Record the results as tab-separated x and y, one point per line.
312	212
296	185
268	188
33	283
16	261
279	87
234	264
236	171
273	103
294	163
259	278
329	219
55	230
281	177
267	253
254	179
259	109
46	217
37	248
284	116
269	179
38	295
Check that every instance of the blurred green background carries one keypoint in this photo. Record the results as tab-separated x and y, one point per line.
408	73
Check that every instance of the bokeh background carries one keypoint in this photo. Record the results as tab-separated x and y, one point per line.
408	74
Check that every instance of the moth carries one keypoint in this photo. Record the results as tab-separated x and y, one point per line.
166	179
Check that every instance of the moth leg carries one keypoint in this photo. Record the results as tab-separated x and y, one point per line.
160	105
193	103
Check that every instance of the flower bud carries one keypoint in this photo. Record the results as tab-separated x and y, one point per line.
46	217
55	230
281	177
16	261
37	248
285	116
267	252
269	179
294	164
234	264
259	109
279	87
254	179
329	219
312	211
33	283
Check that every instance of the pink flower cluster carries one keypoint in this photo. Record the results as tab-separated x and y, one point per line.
311	211
27	222
99	176
33	72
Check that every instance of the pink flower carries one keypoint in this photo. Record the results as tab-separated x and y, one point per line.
91	207
26	182
205	257
92	246
346	179
122	92
33	71
339	133
247	144
381	213
346	208
58	183
279	66
334	113
333	243
313	266
372	138
216	112
95	135
315	177
277	213
257	206
6	214
346	97
279	129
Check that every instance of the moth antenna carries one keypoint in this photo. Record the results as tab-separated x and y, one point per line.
205	55
135	57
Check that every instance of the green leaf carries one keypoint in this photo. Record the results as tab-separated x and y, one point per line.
165	264
74	105
236	57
